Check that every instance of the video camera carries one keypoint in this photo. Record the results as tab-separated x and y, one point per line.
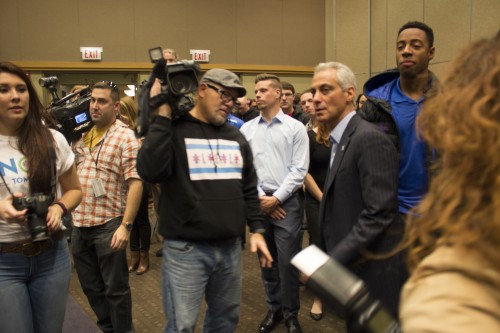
345	292
71	112
178	83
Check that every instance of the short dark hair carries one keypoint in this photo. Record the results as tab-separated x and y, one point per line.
288	86
422	26
115	93
308	90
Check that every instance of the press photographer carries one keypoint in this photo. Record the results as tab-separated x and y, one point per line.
208	192
71	112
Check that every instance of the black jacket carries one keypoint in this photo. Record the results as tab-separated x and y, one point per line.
208	188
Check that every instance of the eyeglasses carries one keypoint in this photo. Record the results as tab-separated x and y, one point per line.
224	95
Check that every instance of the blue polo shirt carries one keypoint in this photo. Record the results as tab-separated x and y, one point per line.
413	176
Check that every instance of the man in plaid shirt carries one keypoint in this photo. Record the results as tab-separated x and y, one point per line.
105	159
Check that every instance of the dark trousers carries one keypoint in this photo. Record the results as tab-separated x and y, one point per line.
140	236
103	275
283	237
312	217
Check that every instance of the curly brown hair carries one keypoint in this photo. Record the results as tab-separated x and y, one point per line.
462	122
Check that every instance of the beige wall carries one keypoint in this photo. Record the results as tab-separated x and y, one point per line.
270	32
360	33
455	23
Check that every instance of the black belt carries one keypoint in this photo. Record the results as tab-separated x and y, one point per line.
28	249
271	193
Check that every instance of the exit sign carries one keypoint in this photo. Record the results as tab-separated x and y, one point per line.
91	53
200	55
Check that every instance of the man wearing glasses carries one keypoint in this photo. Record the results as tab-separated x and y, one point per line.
288	106
208	192
112	189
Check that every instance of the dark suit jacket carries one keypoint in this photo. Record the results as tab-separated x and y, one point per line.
359	210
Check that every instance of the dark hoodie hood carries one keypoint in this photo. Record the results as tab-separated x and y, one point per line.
379	87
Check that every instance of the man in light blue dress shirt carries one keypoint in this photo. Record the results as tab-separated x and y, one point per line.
280	147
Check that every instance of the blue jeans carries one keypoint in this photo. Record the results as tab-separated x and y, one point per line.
192	270
34	290
103	275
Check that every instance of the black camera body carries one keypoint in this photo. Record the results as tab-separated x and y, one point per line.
179	81
72	112
73	118
38	206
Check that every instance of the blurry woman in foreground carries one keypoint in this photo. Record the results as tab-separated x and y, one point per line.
455	237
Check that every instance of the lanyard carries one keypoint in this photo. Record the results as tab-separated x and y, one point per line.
100	147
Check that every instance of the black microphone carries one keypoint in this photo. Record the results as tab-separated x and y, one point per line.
159	70
344	291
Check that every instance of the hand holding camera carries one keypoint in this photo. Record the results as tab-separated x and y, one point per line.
158	101
9	213
37	205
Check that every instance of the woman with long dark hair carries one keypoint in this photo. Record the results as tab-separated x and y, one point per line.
38	177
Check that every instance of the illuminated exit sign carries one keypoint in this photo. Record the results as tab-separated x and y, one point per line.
200	55
91	53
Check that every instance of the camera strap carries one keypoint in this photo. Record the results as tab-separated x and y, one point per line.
52	155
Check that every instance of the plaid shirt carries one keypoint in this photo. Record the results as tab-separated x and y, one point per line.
115	154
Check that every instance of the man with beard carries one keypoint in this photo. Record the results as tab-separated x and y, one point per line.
112	190
208	191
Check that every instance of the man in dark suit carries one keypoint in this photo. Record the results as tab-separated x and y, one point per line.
358	213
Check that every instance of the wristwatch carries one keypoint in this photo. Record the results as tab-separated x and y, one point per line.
128	225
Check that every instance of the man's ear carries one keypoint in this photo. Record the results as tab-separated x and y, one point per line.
432	50
351	94
202	87
117	107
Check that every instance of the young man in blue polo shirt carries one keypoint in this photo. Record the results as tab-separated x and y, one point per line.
394	100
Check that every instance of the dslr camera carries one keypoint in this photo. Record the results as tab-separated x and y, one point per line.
72	112
38	206
178	81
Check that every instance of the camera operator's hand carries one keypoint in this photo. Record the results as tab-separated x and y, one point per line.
258	243
9	213
163	110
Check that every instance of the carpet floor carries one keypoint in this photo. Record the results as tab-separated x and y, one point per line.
148	316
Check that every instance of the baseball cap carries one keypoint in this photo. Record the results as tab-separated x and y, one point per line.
225	78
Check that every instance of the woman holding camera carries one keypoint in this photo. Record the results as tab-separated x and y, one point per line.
36	166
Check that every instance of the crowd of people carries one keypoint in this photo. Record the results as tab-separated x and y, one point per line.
399	183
